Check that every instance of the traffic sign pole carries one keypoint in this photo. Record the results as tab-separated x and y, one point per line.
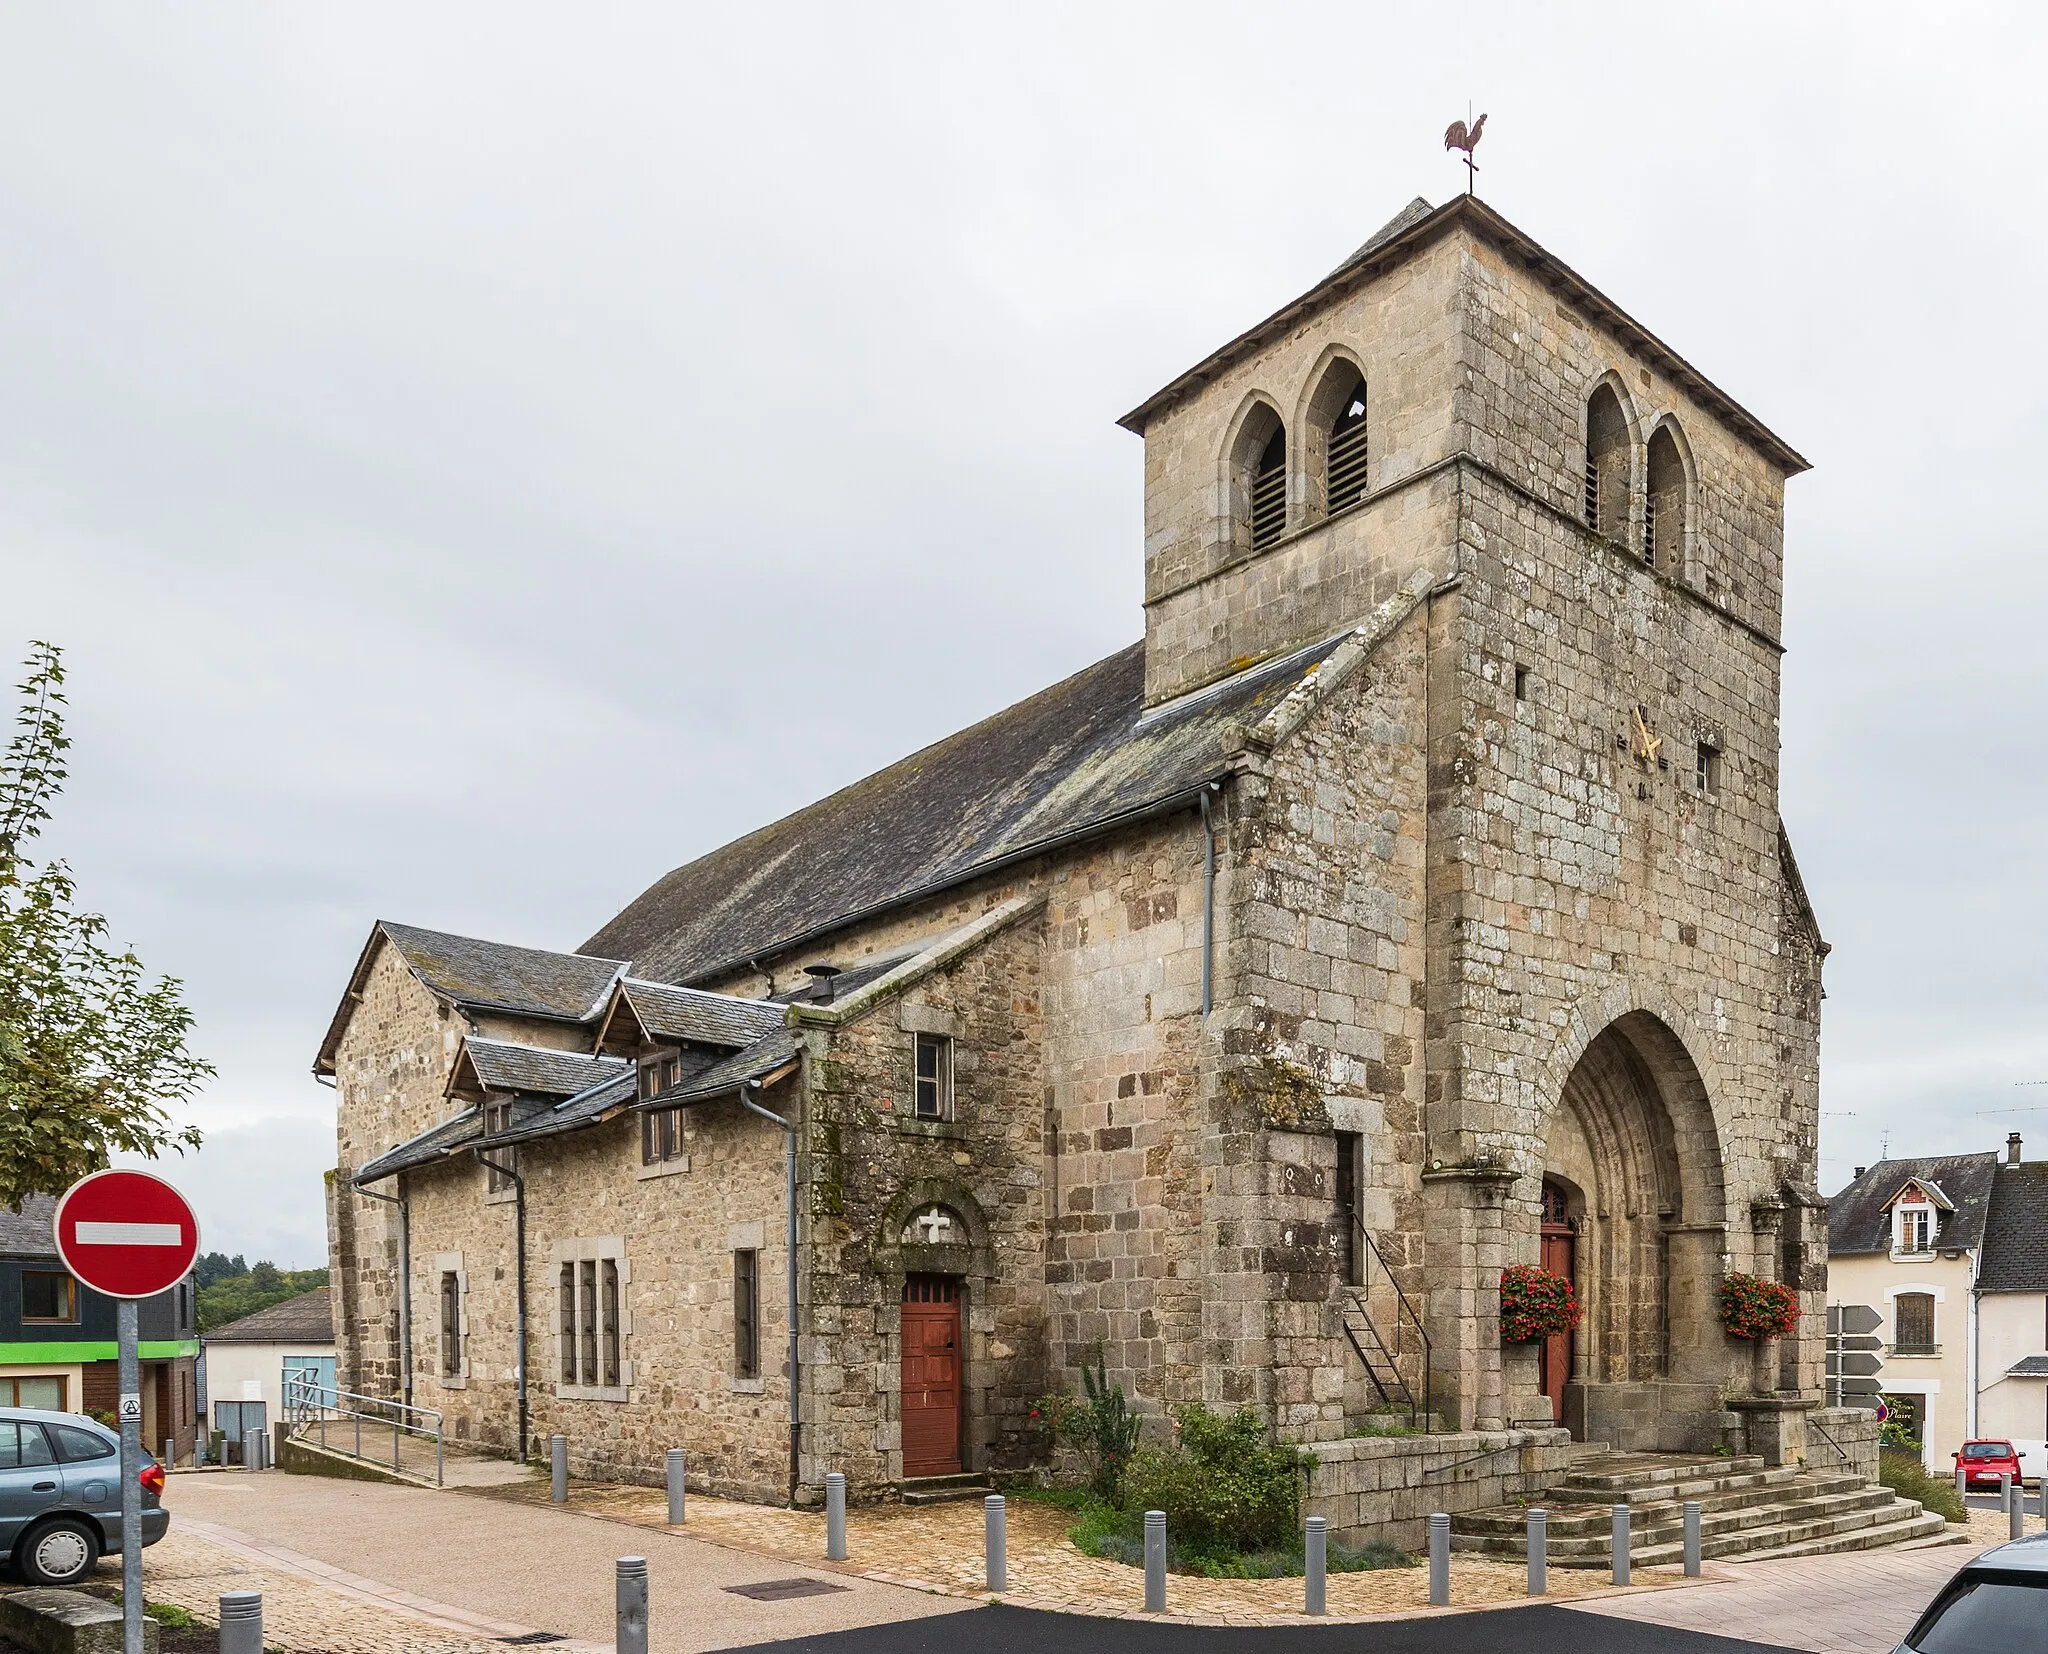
129	1236
129	1319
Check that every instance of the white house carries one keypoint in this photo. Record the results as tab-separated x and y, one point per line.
246	1361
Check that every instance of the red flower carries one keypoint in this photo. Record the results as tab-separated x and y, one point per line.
1535	1304
1752	1307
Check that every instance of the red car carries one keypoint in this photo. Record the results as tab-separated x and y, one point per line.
1984	1462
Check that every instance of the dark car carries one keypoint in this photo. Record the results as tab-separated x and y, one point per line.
60	1495
1997	1604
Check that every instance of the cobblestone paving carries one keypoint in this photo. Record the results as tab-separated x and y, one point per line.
939	1548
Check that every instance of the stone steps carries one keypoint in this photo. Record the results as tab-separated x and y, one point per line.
941	1490
1747	1510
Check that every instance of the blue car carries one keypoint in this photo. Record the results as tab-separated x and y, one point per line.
60	1495
1997	1604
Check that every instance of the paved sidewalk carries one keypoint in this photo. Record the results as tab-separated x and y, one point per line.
1861	1602
481	1561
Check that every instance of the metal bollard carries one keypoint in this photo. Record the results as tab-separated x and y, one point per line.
1692	1539
835	1517
629	1631
1539	1551
241	1622
995	1542
1155	1562
1315	1564
1962	1484
675	1487
1440	1559
170	1459
252	1449
2016	1511
558	1469
1620	1543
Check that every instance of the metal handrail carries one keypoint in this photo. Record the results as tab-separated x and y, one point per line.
1404	1307
1841	1452
311	1404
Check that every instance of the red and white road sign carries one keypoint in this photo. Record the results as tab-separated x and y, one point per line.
126	1234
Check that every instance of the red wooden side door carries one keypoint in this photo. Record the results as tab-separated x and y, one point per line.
1560	1257
931	1376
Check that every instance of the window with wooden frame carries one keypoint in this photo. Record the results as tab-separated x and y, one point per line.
45	1391
1706	770
932	1078
500	1163
660	1072
1913	1324
451	1324
661	1136
746	1313
1916	1229
48	1295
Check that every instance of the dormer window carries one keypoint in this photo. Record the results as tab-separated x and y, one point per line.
499	1164
659	1073
1916	1229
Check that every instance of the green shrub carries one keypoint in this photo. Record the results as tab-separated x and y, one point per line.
1103	1426
1224	1490
1902	1473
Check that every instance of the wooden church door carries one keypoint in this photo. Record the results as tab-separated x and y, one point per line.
931	1376
1560	1257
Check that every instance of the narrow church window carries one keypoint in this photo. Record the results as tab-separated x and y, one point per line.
1334	446
1346	1192
608	1309
1607	464
1664	503
1706	770
586	1315
1269	492
1913	1323
451	1324
746	1314
568	1323
1521	683
933	1082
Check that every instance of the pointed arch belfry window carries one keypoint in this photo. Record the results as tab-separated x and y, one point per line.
1664	503
1334	454
1604	500
1269	491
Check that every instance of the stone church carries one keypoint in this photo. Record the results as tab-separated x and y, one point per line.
1410	901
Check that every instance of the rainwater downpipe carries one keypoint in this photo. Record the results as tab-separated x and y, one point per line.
747	1087
1208	900
519	1279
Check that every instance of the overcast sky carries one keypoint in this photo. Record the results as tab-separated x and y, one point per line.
477	458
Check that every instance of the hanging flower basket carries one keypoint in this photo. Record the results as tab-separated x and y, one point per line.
1752	1307
1535	1304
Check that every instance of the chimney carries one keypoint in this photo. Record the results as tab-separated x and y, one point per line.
821	982
1860	1170
2012	1148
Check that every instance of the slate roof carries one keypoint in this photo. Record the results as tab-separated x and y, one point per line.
503	1065
2034	1366
30	1232
306	1319
572	1113
1857	1221
430	1145
727	1074
483	976
2016	1233
1408	233
668	1012
1075	759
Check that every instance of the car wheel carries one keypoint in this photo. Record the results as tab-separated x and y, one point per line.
58	1553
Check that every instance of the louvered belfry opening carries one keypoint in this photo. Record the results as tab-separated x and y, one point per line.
1269	491
1664	502
1607	464
1346	455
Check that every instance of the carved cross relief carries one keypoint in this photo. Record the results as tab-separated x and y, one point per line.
934	1226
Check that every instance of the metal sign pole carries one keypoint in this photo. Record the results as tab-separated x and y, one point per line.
131	1479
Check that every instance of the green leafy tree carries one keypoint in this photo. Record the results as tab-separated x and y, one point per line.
229	1298
92	1054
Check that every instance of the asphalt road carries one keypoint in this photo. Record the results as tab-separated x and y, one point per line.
1004	1630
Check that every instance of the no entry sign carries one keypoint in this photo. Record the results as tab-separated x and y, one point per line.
126	1234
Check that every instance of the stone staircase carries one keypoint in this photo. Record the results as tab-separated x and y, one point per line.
1748	1512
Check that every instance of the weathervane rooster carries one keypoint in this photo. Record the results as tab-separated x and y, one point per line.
1456	136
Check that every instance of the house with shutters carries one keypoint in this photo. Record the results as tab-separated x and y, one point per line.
1951	1251
1410	900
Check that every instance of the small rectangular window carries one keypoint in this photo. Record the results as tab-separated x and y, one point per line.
586	1317
451	1324
1706	770
661	1136
47	1393
1521	683
48	1295
746	1314
499	1164
933	1082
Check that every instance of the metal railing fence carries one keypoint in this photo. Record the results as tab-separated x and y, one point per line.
335	1418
